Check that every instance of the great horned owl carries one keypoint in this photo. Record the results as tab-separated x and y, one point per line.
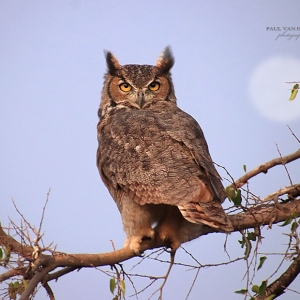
153	157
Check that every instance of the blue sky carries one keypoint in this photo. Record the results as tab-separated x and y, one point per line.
51	76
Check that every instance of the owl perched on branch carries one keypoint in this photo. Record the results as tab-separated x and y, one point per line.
153	157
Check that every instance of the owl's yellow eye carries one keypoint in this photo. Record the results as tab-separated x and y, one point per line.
154	86
125	87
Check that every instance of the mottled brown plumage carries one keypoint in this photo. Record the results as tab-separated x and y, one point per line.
153	157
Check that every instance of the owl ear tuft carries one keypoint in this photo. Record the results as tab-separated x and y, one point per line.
166	60
112	63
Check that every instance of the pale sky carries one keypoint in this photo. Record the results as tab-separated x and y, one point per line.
51	75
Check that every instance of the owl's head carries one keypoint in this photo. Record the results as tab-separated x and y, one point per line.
137	86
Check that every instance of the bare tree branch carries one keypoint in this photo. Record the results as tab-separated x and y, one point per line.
12	273
256	216
263	168
292	190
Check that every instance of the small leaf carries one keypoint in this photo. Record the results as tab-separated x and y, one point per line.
230	192
261	261
245	168
247	250
271	297
122	287
287	221
112	285
294	92
255	289
251	236
238	198
25	283
234	195
262	288
1	253
242	291
294	226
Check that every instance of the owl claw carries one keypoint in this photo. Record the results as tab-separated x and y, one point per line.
134	243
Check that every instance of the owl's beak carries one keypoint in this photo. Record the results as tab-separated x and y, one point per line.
141	99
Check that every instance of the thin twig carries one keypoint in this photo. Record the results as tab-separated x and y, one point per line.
43	213
193	283
172	258
293	134
284	165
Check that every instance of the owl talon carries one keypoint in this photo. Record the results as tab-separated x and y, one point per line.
134	244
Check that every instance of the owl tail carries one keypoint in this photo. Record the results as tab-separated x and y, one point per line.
209	213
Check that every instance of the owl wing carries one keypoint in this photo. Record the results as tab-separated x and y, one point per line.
205	210
191	135
159	155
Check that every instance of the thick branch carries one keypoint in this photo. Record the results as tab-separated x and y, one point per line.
265	215
261	215
263	168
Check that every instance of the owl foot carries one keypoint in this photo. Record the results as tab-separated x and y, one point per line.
134	242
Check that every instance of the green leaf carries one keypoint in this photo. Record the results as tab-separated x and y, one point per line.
25	283
234	195
287	221
247	250
271	297
230	192
294	92
251	236
238	198
245	169
255	289
1	253
261	261
262	288
112	285
294	226
122	287
242	291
